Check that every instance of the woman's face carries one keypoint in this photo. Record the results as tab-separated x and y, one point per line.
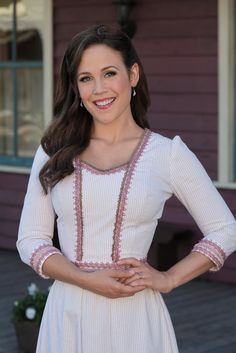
105	85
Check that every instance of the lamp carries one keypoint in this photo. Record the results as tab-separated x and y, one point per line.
124	8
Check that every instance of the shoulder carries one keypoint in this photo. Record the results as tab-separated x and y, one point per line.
170	145
159	139
170	150
173	144
158	142
40	159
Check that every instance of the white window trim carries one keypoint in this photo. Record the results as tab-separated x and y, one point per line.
225	93
48	62
47	77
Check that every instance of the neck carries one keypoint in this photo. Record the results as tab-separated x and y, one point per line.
117	131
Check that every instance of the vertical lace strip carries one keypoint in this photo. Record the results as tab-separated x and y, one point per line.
126	183
78	209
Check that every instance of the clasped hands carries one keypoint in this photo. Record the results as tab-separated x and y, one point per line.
135	277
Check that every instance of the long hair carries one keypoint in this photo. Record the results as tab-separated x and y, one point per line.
69	133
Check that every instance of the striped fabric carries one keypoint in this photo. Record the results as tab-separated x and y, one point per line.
104	216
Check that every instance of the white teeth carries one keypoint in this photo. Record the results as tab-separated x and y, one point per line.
105	102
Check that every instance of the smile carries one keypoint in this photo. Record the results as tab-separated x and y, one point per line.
104	103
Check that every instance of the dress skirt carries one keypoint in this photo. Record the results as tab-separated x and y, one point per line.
78	321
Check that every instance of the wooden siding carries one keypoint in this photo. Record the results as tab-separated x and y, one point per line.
178	45
12	191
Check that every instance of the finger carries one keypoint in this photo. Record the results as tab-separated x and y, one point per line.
131	261
128	290
138	283
137	276
122	280
122	273
128	281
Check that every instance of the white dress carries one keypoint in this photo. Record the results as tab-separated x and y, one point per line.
103	216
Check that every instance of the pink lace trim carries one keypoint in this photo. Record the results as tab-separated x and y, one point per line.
103	172
93	266
124	196
39	255
78	210
126	182
211	250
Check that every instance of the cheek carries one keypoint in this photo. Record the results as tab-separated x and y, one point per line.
84	91
121	85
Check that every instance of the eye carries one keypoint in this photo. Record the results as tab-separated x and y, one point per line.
110	73
85	79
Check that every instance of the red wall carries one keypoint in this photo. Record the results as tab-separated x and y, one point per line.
178	44
12	191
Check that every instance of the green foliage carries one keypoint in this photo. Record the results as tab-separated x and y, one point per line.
30	307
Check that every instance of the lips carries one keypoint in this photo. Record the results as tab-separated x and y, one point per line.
104	103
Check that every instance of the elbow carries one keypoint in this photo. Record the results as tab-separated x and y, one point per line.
20	246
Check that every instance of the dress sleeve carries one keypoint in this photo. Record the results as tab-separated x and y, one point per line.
193	187
37	220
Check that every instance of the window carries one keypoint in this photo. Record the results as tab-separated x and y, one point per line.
22	60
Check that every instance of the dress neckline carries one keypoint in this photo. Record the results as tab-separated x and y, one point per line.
118	168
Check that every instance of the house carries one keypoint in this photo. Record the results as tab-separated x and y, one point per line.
187	49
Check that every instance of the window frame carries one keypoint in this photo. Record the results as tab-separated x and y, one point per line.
226	91
23	164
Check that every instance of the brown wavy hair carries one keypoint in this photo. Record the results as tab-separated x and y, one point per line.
69	133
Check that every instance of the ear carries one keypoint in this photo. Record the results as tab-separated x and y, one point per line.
134	75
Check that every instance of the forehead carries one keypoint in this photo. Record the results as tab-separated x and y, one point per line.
98	56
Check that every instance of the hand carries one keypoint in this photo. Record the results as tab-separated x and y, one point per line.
146	276
108	283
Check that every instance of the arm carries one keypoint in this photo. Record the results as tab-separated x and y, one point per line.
193	187
184	271
37	221
36	249
195	190
106	283
192	266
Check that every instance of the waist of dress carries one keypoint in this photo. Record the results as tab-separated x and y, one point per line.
95	266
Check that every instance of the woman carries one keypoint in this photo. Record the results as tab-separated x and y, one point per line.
106	177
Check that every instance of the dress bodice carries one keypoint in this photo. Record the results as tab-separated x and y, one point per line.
110	211
103	216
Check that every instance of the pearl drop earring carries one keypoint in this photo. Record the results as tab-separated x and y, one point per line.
134	92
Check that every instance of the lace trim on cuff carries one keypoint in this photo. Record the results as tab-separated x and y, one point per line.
41	254
212	251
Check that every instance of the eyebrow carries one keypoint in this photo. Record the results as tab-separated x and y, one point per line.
103	69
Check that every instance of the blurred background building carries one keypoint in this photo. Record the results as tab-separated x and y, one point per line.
188	51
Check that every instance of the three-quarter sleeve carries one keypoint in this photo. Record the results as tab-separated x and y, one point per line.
195	190
37	220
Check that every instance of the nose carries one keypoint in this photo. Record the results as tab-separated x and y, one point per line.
99	86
